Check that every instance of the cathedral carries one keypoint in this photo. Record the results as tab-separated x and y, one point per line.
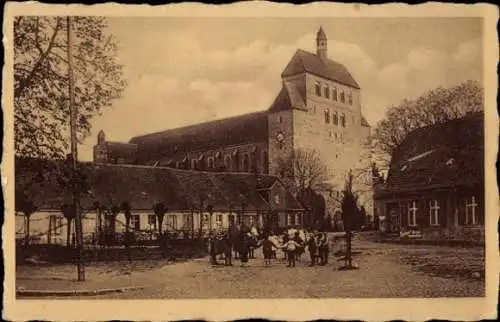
318	107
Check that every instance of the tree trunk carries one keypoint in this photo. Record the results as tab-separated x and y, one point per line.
68	234
160	225
27	235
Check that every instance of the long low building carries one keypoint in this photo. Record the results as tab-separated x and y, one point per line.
194	201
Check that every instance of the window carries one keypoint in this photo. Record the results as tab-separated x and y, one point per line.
241	219
173	221
334	94
290	220
187	221
471	215
434	212
349	98
210	163
314	109
135	222
246	163
327	116
194	164
336	118
218	220
264	162
342	120
152	222
342	97
56	223
327	92
318	89
412	214
227	162
297	219
281	119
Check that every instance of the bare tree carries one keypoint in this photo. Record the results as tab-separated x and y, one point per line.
41	80
305	170
436	106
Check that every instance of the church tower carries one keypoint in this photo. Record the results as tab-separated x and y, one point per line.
321	44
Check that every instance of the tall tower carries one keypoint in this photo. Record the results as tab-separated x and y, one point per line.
321	44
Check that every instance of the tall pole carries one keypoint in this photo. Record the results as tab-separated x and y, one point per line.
74	158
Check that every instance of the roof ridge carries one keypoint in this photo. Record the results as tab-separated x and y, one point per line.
254	113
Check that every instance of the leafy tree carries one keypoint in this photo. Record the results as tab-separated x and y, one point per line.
160	210
41	80
27	206
436	106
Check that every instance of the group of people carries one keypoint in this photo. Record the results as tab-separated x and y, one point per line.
292	244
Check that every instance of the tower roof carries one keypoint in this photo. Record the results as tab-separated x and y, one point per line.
304	61
321	33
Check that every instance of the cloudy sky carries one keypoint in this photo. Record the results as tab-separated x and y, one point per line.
188	70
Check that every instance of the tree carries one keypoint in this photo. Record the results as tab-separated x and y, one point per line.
27	206
41	80
350	211
69	213
160	210
305	174
305	170
436	106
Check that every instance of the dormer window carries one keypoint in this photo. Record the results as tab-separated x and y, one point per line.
334	94
342	97
318	89
327	92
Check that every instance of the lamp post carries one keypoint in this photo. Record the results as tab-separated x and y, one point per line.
74	156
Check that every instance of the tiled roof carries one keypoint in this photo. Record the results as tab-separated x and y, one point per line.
288	98
440	156
126	151
241	129
304	61
144	186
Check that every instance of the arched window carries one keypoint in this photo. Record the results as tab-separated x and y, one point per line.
246	163
210	163
334	94
227	163
265	162
349	98
318	89
327	116
336	118
342	120
194	164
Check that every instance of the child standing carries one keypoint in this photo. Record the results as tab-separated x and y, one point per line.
290	248
267	250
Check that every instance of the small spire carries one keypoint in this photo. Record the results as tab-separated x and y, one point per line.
321	33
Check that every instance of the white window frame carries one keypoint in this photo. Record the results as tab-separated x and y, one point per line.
135	220
412	213
434	212
172	221
473	214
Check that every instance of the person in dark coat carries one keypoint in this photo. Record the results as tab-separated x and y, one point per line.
267	250
311	245
244	247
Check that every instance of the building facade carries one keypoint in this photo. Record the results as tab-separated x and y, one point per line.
318	107
195	202
435	185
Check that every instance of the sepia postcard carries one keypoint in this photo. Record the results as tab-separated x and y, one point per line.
252	160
